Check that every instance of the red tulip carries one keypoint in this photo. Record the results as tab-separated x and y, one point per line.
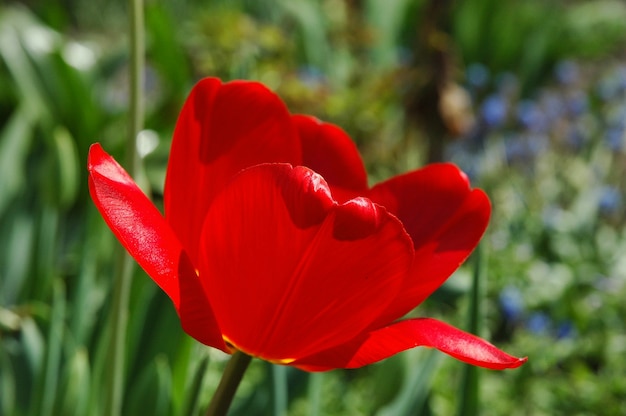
305	266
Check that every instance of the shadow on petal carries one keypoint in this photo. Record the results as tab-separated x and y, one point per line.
195	311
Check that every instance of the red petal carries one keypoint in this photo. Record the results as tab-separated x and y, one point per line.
222	129
426	332
195	311
445	220
288	271
329	151
142	230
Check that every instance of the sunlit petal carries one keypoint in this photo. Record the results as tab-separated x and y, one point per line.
290	272
142	230
403	335
222	129
445	219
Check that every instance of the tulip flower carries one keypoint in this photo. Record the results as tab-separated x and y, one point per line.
273	244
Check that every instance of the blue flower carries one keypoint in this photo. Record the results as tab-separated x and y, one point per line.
614	138
538	323
577	103
610	200
511	303
477	75
530	116
311	76
494	110
566	329
567	72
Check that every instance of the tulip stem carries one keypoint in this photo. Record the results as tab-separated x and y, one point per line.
114	389
233	374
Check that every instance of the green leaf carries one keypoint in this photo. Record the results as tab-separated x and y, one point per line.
164	48
16	252
151	394
415	388
7	383
19	33
469	403
53	356
191	405
77	383
312	25
15	141
386	19
594	28
32	348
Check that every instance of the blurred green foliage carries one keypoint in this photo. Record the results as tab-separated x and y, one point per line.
554	270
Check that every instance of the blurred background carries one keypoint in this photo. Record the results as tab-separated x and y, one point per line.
527	96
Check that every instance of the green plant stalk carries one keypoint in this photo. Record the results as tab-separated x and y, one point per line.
279	373
114	389
233	374
314	393
115	381
470	378
136	103
55	342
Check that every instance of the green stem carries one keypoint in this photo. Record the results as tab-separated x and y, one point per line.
233	374
316	381
137	64
469	403
115	381
279	373
119	318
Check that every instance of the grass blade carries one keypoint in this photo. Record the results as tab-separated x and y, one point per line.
470	379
